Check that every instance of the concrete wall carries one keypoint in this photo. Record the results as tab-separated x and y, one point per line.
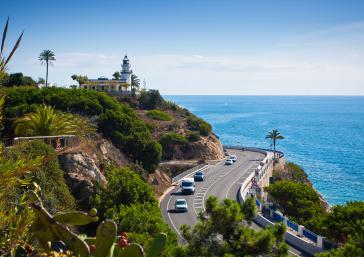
262	175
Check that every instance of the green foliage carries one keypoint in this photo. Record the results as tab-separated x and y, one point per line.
342	221
79	78
220	232
17	79
45	121
158	115
49	176
171	138
354	245
4	61
292	172
135	81
150	99
124	188
198	124
117	121
300	202
132	136
48	228
193	136
249	209
132	204
15	217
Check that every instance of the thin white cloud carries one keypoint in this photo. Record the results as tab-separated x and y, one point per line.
329	61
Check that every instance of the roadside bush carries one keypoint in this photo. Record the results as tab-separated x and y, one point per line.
298	201
125	187
193	136
342	221
200	125
131	203
159	115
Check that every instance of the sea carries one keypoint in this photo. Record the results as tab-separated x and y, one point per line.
323	134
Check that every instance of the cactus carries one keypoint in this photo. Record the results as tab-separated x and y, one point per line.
76	218
157	246
105	237
52	231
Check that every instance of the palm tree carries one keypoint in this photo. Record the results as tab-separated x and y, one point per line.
135	81
45	121
47	56
4	61
274	135
116	75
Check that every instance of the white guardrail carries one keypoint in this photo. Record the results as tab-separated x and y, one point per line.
297	238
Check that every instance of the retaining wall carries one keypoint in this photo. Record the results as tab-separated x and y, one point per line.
302	238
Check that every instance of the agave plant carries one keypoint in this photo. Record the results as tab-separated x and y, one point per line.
4	61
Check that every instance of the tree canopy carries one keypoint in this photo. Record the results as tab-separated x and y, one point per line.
220	232
298	201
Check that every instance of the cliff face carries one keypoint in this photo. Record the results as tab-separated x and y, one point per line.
208	148
84	166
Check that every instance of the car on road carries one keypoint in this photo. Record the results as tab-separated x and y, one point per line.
188	186
181	205
229	162
199	176
233	157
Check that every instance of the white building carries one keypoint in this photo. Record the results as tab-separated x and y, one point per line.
121	85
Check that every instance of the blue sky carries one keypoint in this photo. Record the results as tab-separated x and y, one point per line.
198	47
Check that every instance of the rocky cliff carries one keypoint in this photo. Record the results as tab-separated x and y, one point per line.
84	166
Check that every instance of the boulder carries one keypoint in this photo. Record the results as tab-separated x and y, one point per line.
81	173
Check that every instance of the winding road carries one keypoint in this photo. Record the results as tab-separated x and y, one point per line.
220	180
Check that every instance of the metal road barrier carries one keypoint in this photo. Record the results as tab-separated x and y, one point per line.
189	171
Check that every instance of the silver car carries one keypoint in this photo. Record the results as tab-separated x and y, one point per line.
181	205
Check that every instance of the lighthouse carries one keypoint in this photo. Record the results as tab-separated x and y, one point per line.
126	70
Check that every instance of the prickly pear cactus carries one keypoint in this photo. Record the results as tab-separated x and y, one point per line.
52	231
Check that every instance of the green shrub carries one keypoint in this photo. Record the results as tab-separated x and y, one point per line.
131	203
49	176
159	115
200	125
150	99
132	136
171	138
116	120
193	136
298	201
125	187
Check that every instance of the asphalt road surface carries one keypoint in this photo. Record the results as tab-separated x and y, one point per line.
220	180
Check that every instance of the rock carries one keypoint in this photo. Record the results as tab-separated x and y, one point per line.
208	148
81	174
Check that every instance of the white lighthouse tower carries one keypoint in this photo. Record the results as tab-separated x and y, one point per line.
126	71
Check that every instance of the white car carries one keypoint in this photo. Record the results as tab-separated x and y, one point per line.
229	162
188	186
233	157
181	205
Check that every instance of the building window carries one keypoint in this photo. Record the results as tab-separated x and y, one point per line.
85	87
119	88
102	88
93	87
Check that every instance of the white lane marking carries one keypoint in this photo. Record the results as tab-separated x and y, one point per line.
169	216
235	182
295	254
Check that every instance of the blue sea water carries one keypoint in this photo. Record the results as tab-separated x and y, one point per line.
323	134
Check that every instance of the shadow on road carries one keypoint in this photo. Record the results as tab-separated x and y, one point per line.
175	211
